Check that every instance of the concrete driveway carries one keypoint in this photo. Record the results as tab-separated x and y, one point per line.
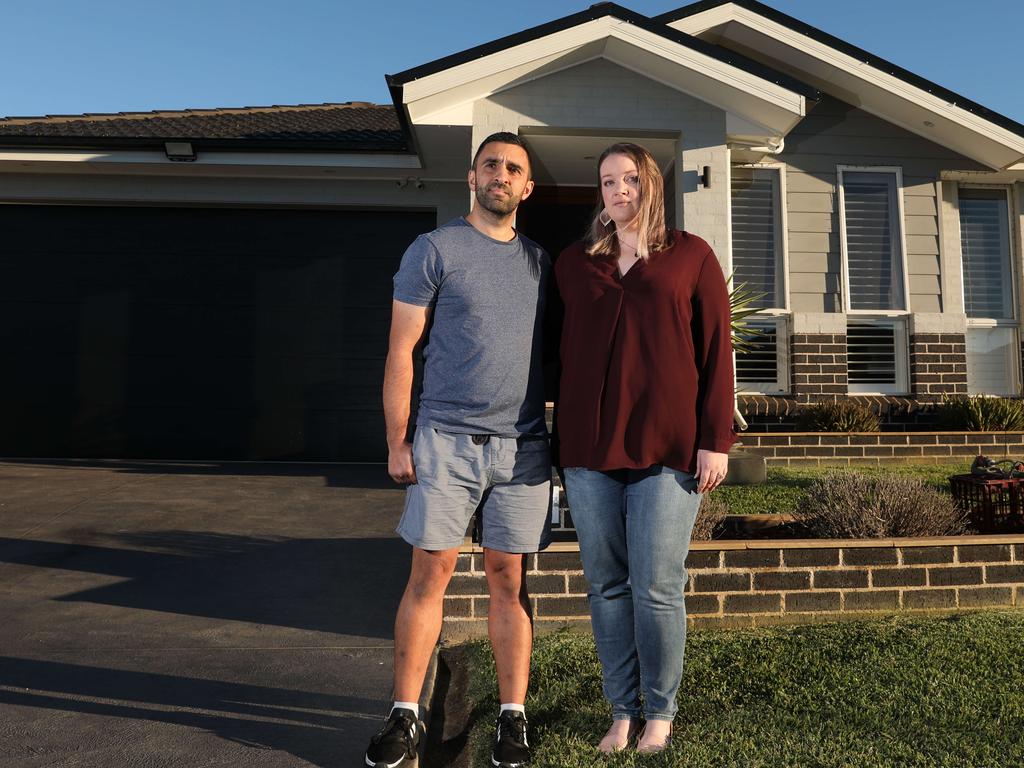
160	614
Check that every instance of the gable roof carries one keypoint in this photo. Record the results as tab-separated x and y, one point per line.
851	50
597	11
766	101
350	126
968	127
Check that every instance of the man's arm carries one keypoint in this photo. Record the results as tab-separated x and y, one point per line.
408	326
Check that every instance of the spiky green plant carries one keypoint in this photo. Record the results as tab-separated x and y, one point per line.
981	414
741	301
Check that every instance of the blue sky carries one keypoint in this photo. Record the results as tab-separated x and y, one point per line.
76	56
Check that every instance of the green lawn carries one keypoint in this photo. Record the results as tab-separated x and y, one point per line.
786	485
891	693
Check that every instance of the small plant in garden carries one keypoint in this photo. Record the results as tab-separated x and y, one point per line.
850	505
840	416
981	414
710	518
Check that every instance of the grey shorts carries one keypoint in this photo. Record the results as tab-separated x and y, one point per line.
506	480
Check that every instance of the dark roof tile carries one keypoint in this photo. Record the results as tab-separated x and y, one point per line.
352	126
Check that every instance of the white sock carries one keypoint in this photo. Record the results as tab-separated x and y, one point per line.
513	708
406	705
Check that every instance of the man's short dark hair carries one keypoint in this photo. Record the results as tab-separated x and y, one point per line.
501	137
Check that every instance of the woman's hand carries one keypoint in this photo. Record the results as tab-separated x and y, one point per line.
711	470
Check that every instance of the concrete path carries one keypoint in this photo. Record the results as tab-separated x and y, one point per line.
156	614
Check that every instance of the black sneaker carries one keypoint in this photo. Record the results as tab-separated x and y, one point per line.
511	749
396	743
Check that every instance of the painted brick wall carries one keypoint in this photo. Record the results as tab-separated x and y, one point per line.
818	366
743	584
870	448
938	366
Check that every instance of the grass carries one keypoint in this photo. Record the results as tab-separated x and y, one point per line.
787	485
907	692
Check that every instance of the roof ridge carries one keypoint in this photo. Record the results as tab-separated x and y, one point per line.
157	113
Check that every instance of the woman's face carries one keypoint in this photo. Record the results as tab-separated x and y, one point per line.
620	188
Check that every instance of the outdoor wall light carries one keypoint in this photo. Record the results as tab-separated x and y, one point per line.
180	151
705	177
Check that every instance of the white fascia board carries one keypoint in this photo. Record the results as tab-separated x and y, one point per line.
1002	147
707	86
455	106
716	70
546	47
252	159
447	96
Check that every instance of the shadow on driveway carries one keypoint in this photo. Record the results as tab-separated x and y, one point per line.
342	586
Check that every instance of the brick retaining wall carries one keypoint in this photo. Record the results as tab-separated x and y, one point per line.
751	583
871	448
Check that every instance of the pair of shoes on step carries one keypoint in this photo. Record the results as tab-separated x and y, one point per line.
619	738
397	743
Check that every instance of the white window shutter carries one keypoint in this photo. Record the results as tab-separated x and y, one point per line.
763	368
985	248
991	355
876	357
872	232
755	251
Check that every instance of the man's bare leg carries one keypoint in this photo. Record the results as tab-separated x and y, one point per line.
509	623
418	622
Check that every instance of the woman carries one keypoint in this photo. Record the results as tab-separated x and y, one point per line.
644	425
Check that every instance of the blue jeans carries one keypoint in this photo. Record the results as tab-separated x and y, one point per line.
634	531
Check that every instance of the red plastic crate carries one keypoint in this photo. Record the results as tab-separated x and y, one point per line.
995	505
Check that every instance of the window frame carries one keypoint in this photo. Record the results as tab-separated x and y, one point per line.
781	233
897	212
1012	322
902	356
781	384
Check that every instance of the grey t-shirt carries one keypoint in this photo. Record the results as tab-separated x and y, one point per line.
482	361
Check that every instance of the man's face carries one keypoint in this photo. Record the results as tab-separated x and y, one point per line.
501	178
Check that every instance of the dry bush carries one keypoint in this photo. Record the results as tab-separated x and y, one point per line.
847	505
710	518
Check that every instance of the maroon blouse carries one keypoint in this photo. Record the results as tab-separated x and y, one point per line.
647	374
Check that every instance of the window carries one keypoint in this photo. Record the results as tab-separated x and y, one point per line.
876	357
872	240
757	234
762	369
991	361
988	291
985	247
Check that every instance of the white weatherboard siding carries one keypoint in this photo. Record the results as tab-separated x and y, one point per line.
838	134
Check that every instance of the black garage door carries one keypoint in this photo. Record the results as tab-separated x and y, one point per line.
191	333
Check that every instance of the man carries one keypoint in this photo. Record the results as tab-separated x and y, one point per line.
481	440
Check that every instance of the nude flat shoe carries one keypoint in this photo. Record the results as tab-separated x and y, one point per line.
610	744
653	747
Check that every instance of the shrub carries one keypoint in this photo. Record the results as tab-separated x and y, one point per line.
840	416
710	518
981	414
844	505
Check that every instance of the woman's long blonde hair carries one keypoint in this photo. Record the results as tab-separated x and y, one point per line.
601	239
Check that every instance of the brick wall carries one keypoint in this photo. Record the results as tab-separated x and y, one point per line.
818	366
938	366
751	583
871	448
